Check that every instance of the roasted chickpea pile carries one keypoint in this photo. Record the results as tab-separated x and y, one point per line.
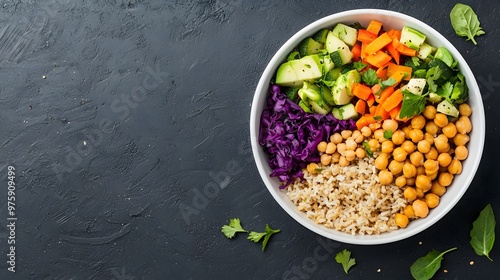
422	155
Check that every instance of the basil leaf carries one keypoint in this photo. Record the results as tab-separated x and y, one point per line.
483	232
464	21
425	267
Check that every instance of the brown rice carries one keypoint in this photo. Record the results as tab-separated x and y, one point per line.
349	199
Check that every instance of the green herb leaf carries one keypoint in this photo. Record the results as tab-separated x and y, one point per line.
412	104
431	76
465	22
388	83
483	232
368	150
344	258
234	226
425	267
388	134
257	236
377	118
358	65
370	77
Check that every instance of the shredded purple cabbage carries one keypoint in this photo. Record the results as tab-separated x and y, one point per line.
290	136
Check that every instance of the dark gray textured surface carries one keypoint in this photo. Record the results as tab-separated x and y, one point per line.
118	114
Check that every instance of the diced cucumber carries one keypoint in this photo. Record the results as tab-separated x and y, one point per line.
434	97
294	72
425	50
326	94
416	85
412	38
308	46
319	107
304	106
336	58
286	76
311	91
333	74
346	33
320	36
444	55
335	44
447	108
345	112
342	89
327	62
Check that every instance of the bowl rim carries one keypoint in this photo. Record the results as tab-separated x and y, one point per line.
261	93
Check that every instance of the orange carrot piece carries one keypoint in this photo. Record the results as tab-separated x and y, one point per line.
382	73
393	52
363	47
388	91
397	76
365	36
361	91
376	88
393	101
378	59
360	106
374	27
365	120
377	44
380	113
372	109
407	51
394	113
393	68
370	100
394	33
356	52
396	44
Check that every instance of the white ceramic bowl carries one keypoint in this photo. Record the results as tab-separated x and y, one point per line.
461	182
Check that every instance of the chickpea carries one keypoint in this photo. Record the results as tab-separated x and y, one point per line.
465	109
461	152
408	211
416	135
374	126
379	135
374	144
399	154
420	193
445	179
350	144
341	148
441	142
326	159
432	200
441	120
432	154
335	157
410	194
336	138
410	181
417	158
431	166
312	167
437	188
464	125
461	139
421	209
418	122
429	137
366	131
398	137
423	182
395	167
455	166
424	146
432	175
430	112
409	170
360	152
385	177
343	161
322	146
449	130
382	161
387	147
420	170
350	155
406	130
400	181
401	220
444	159
408	146
432	128
357	136
390	124
346	134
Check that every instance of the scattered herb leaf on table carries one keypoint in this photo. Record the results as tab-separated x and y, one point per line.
483	232
425	267
257	236
465	22
234	226
344	258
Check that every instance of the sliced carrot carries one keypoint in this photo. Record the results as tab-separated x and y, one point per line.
365	120
396	44
381	112
382	73
370	100
398	77
360	106
393	52
363	47
376	88
394	33
407	51
378	59
374	27
395	111
356	52
388	91
372	109
393	101
393	68
365	36
361	91
377	44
